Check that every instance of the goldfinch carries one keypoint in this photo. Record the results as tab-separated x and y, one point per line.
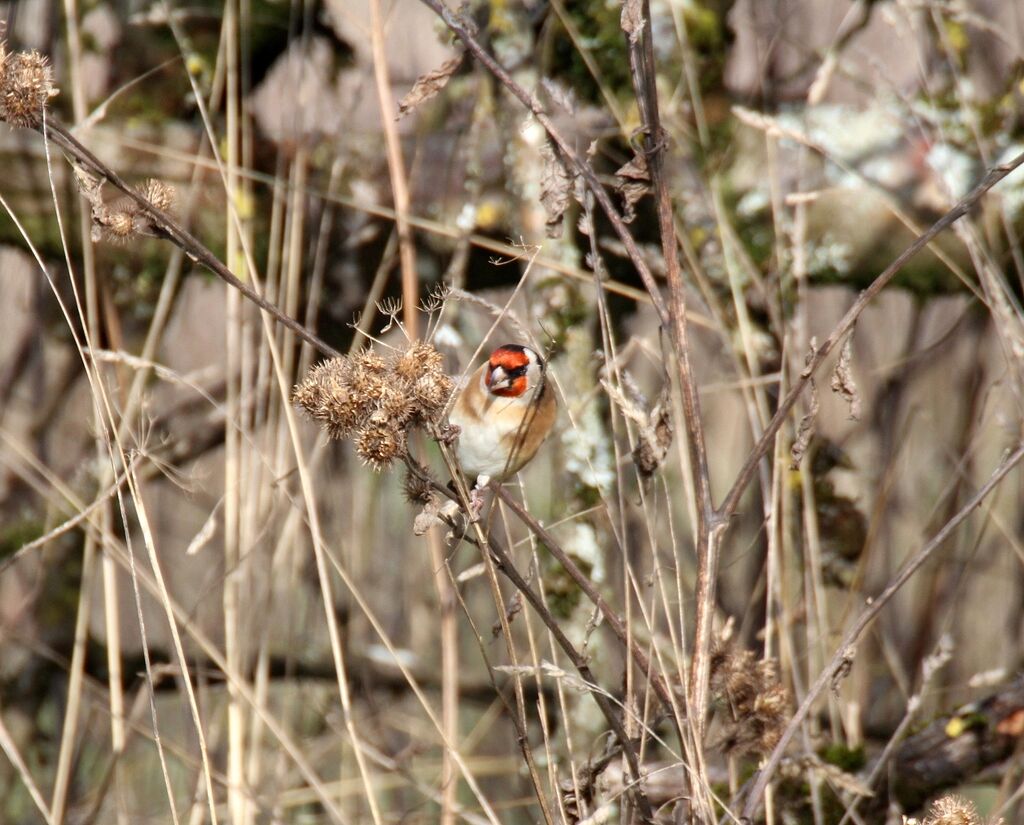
504	413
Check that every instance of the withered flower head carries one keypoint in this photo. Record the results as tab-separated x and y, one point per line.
379	442
419	359
954	810
378	399
752	701
158	193
26	86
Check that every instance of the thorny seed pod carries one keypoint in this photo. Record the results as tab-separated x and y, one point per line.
419	359
158	193
752	701
431	391
379	442
26	86
378	398
955	810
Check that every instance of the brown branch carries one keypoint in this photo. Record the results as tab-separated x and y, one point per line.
170	229
641	59
938	758
504	564
845	652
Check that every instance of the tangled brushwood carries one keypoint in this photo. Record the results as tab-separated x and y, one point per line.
752	704
26	85
377	400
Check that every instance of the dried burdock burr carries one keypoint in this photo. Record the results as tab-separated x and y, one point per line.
26	86
377	399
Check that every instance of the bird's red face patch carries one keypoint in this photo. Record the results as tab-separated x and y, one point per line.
510	362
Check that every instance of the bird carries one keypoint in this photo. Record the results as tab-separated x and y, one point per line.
504	412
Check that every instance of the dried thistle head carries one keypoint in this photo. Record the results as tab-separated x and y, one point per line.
379	399
419	359
26	86
379	441
416	488
160	194
754	704
955	810
123	219
117	223
431	391
327	396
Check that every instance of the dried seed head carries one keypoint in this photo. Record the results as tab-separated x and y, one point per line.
954	810
753	702
416	488
396	404
327	396
418	359
119	224
26	85
431	392
158	193
380	399
378	443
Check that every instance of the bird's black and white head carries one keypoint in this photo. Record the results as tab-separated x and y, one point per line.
514	371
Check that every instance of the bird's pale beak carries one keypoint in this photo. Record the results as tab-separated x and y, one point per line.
499	379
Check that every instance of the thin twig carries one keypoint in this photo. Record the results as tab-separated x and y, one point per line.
615	622
177	234
399	182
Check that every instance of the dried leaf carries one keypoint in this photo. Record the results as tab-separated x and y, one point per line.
842	379
632	19
845	666
428	85
555	190
515	607
839	778
633	183
655	432
429	516
655	439
805	431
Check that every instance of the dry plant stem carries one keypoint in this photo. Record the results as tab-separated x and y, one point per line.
8	746
146	580
764	443
508	569
845	650
449	631
396	168
503	562
618	627
176	234
581	166
709	531
417	222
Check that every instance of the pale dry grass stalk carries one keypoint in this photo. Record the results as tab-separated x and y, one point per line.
234	472
399	179
10	749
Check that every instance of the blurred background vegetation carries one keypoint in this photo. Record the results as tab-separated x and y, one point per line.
217	626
